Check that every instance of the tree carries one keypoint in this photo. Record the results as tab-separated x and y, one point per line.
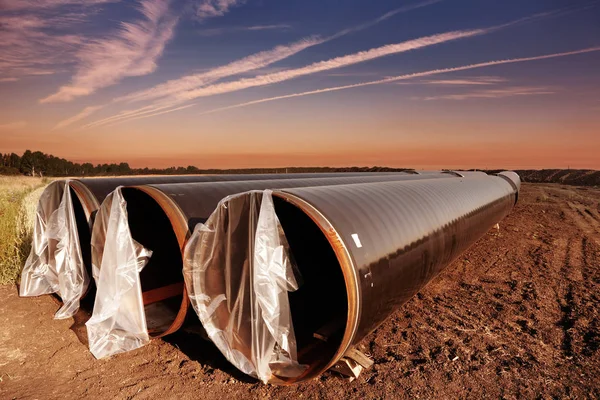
27	164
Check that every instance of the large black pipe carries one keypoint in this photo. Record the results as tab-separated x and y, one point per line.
40	274
162	217
362	251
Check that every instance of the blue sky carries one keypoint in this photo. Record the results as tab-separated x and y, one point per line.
231	83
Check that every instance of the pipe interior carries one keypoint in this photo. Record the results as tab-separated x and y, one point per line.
83	233
150	226
320	305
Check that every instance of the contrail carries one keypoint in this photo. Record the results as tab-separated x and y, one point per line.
246	64
153	114
407	76
129	114
276	77
337	62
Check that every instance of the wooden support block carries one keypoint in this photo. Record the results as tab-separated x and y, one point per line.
359	358
348	368
162	293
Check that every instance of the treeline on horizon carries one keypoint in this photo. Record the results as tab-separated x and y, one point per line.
36	163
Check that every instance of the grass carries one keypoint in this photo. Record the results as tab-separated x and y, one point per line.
18	202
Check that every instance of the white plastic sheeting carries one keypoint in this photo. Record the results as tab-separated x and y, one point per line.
55	264
118	323
250	309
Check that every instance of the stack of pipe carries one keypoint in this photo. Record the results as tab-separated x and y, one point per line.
60	259
286	275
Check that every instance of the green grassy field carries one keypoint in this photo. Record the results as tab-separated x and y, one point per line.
18	201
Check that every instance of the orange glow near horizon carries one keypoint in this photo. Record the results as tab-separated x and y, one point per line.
506	86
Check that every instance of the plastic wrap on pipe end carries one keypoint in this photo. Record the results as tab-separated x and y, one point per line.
99	231
38	277
241	297
55	264
118	322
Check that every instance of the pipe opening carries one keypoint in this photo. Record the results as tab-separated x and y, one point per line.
319	307
162	277
83	233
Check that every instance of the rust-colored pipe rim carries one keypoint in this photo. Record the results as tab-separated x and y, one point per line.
87	199
349	272
179	224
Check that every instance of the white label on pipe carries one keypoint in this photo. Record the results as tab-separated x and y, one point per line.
356	240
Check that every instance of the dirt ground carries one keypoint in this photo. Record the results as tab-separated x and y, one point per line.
515	317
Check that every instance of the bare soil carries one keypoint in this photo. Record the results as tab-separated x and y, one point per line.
516	316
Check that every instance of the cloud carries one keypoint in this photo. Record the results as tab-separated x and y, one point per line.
86	112
132	51
480	80
338	62
215	8
235	29
13	125
11	5
31	44
180	97
252	62
384	17
170	89
495	93
36	35
407	77
351	59
267	27
255	61
9	79
156	111
327	65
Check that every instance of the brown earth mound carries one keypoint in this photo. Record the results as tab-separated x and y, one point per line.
578	177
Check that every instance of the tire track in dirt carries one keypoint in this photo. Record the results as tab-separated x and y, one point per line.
565	302
582	220
591	276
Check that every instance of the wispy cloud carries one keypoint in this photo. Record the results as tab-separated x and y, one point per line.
252	62
407	77
13	125
45	4
32	44
36	35
363	56
480	80
168	91
495	93
333	63
132	51
262	80
255	61
267	27
276	77
237	29
86	112
215	8
384	17
13	79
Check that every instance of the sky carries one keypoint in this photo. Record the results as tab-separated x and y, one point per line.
273	83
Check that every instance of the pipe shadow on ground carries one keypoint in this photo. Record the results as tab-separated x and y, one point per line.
193	342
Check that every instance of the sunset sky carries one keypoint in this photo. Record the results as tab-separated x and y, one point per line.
274	83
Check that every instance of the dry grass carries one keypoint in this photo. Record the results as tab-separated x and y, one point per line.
18	202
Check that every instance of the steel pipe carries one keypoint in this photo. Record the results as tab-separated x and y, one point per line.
67	247
160	218
362	251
